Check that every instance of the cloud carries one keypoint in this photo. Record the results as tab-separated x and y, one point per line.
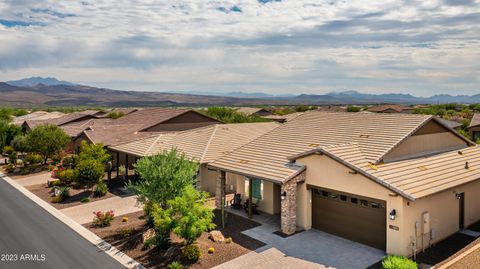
311	46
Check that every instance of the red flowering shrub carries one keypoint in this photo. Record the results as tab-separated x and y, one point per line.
56	172
103	219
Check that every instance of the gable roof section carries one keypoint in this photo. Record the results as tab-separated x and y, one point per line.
267	156
204	144
114	134
250	110
414	178
65	119
382	108
475	120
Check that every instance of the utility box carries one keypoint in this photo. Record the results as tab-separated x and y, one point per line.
426	222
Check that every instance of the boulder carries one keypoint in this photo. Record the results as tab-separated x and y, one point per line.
149	234
216	236
172	251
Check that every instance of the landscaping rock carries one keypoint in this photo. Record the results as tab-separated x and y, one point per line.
50	182
216	236
149	234
56	191
172	251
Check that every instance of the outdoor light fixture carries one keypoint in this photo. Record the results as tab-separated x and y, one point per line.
393	213
283	195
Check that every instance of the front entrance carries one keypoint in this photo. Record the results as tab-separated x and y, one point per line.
461	210
356	218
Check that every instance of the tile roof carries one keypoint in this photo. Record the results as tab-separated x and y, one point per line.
37	115
249	110
450	123
283	118
149	117
67	118
204	144
113	134
413	178
267	156
397	108
475	120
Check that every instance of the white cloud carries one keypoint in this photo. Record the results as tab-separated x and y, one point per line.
423	47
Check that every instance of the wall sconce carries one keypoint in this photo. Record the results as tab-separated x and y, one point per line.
283	195
393	213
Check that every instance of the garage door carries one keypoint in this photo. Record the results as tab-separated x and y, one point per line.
352	217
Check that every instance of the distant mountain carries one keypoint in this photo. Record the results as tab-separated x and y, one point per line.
34	81
70	94
239	94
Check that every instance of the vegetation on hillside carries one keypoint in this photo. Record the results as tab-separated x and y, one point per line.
230	115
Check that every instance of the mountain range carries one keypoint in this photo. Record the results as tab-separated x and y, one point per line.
38	91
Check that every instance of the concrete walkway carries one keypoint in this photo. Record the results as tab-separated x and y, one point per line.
39	178
120	205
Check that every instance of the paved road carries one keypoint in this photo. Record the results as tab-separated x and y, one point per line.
36	239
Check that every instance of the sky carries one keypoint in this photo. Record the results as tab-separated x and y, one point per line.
421	47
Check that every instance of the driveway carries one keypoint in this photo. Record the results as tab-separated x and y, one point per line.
307	249
36	239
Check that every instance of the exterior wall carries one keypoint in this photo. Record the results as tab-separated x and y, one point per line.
189	120
443	207
208	179
430	139
474	132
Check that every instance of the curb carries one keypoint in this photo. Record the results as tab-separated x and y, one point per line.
459	257
82	231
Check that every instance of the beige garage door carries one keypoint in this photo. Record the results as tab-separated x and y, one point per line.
355	218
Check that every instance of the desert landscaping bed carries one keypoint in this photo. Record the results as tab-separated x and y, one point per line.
76	195
155	258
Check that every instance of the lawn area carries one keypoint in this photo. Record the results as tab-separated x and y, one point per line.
155	258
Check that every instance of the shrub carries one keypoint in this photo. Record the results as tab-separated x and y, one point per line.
211	250
175	265
121	170
126	233
398	262
101	189
88	172
57	199
10	167
148	243
56	172
103	219
34	158
191	252
12	158
353	109
58	183
24	171
7	150
67	175
69	161
64	191
56	158
51	167
125	219
85	200
228	240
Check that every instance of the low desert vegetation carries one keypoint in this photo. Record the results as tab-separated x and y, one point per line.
398	262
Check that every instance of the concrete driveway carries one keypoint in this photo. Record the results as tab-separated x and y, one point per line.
306	249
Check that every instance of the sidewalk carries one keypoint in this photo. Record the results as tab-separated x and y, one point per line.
40	178
120	205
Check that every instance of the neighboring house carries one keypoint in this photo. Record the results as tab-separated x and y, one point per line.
395	182
124	111
66	119
283	118
451	123
474	127
37	115
391	109
254	111
205	145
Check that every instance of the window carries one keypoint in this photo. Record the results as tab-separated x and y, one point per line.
364	202
333	195
354	200
325	193
343	197
257	188
375	205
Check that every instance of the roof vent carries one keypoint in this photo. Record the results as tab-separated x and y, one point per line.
373	166
314	145
460	152
466	165
364	136
423	168
243	161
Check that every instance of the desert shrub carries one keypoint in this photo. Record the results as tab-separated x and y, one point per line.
12	158
51	167
56	172
191	252
85	200
64	191
25	171
228	240
88	172
353	109
398	262
125	219
148	243
126	233
211	250
34	158
7	150
10	167
67	175
175	265
95	152
103	219
121	170
69	161
101	189
58	183
115	115
56	158
57	199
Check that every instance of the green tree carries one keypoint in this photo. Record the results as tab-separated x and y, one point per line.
191	216
93	152
88	173
230	115
163	177
47	140
20	143
163	224
353	109
8	131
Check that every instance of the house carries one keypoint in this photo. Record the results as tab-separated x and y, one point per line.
390	109
283	118
37	115
474	127
399	182
63	120
451	123
204	145
254	111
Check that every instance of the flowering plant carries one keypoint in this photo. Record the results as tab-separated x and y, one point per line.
56	172
102	219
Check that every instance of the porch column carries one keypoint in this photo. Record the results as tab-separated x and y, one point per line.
250	195
220	189
126	166
289	204
118	164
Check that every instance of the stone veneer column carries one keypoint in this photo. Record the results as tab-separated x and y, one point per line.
220	189
289	204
